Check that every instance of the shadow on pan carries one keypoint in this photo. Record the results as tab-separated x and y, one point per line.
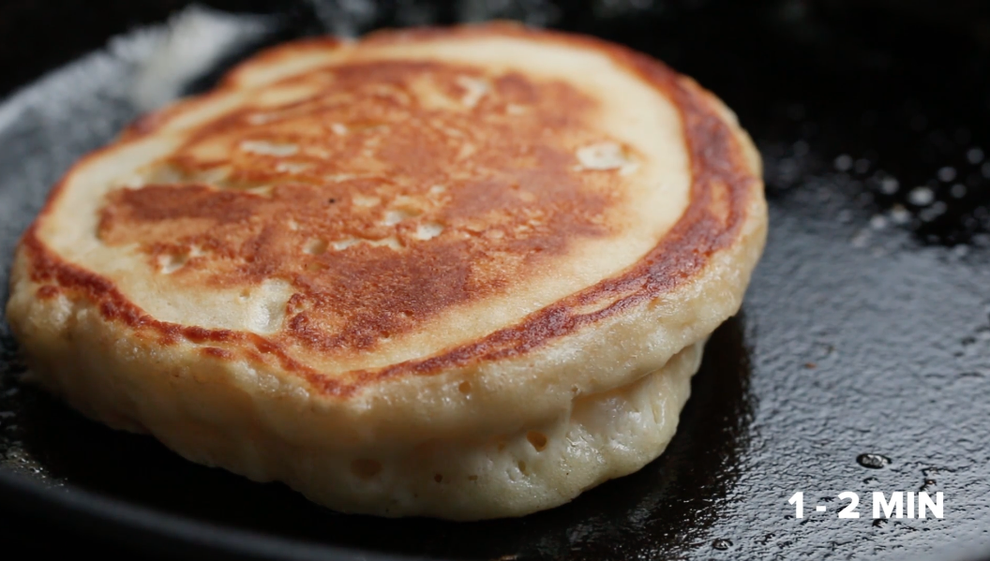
866	327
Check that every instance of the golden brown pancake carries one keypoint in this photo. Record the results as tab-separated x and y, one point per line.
463	273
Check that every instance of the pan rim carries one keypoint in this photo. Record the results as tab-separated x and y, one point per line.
143	528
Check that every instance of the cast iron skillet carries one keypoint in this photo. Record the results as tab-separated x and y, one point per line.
865	330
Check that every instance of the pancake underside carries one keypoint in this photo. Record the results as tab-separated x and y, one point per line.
216	422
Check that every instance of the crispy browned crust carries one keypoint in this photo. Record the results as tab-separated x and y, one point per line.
723	184
516	203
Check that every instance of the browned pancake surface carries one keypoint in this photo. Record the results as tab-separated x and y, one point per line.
381	196
386	192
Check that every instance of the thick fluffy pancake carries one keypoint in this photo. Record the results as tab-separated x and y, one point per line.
351	257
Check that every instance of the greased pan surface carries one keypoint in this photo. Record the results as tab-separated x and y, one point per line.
865	330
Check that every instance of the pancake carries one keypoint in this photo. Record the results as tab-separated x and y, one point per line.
464	273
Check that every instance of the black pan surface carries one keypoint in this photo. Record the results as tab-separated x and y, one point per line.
866	329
